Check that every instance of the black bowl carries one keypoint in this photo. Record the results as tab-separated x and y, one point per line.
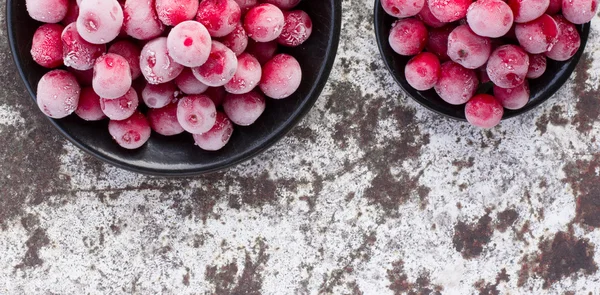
178	156
542	88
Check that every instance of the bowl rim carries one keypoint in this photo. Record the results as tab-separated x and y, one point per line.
267	143
379	13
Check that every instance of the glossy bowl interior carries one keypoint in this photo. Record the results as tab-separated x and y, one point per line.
178	156
542	88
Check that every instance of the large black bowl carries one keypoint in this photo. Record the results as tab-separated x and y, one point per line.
542	88
178	156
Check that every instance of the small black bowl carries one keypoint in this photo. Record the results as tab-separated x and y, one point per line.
178	156
542	88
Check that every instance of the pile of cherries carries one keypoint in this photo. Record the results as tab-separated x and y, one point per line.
206	65
471	42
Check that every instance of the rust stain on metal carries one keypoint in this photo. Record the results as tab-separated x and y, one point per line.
556	118
469	239
388	191
400	284
186	277
463	164
37	240
582	175
489	288
225	278
562	256
361	254
506	219
588	106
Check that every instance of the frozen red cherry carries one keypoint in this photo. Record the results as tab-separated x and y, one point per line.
72	13
513	98
156	64
297	28
112	76
554	7
173	12
408	36
539	35
219	16
220	67
437	42
456	84
537	66
196	113
579	11
47	11
264	23
528	10
428	18
216	94
164	120
217	137
122	107
490	18
467	48
263	51
244	109
484	111
402	8
158	96
188	84
132	132
46	47
568	43
131	53
78	53
283	4
422	71
99	21
237	40
247	75
449	10
58	94
281	76
141	21
88	107
245	5
189	44
508	66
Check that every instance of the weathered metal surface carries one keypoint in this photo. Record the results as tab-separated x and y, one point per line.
371	194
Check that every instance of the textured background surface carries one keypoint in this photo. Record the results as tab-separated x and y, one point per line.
371	194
